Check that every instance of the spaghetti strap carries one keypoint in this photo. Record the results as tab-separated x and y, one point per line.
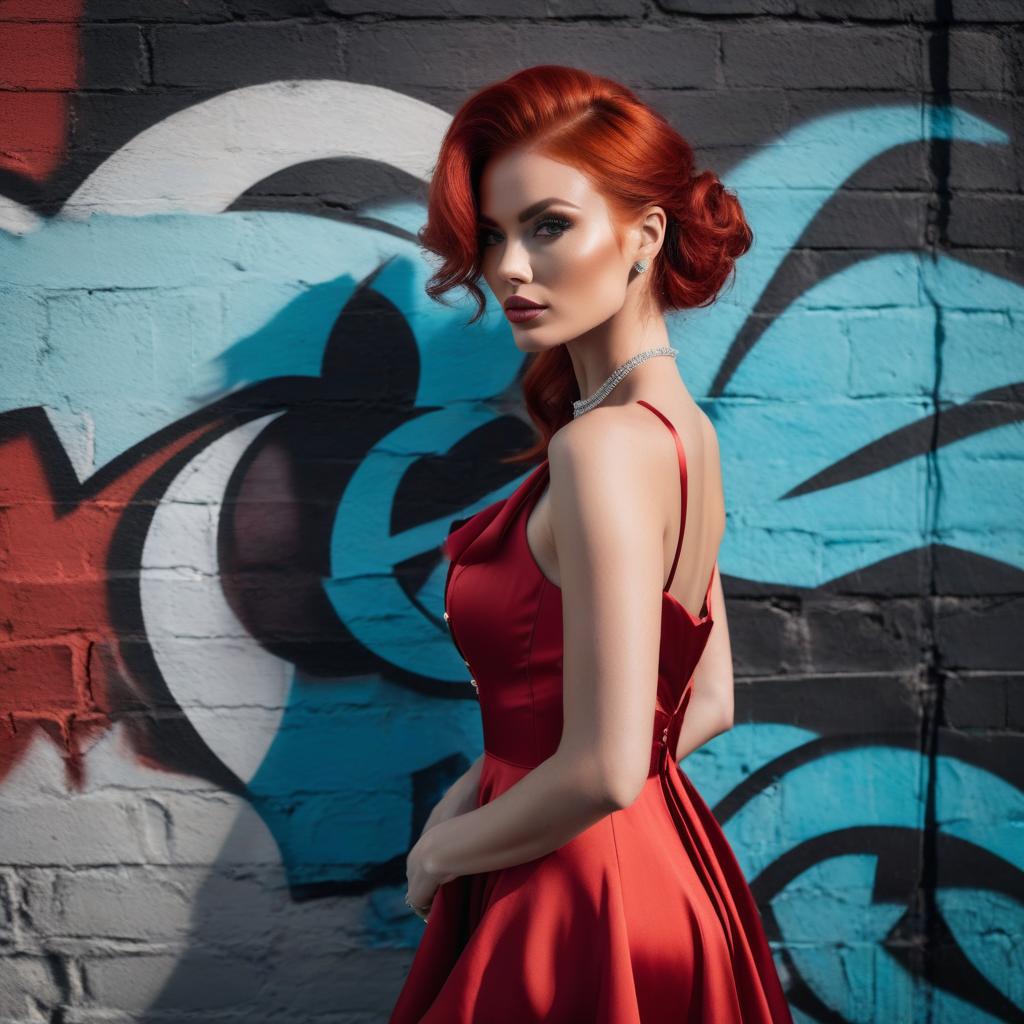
682	486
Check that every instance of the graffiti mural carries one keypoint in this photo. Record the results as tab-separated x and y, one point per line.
233	434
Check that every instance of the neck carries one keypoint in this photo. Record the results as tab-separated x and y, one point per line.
637	375
596	354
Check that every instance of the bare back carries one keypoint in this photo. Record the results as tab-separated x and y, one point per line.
705	504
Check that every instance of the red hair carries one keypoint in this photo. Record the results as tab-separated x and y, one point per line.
633	157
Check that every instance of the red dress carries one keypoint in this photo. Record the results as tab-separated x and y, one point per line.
644	917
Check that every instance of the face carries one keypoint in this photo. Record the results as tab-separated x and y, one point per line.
564	254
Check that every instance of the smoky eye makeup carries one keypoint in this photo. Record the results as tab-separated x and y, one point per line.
556	221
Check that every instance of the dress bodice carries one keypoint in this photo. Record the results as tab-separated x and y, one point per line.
505	618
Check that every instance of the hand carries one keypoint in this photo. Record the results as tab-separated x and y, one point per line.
422	882
461	798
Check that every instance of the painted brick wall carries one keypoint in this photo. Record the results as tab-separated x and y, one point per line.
234	432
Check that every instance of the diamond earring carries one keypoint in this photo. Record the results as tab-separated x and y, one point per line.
640	266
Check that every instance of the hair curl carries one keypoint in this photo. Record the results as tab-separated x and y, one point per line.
634	158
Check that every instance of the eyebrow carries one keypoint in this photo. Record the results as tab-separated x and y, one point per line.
531	211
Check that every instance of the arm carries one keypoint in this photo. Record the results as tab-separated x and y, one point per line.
460	796
710	710
544	810
608	534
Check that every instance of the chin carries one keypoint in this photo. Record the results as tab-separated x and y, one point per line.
527	346
528	343
536	339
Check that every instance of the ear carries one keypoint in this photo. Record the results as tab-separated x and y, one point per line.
652	232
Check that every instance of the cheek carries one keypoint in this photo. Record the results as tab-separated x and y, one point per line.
588	278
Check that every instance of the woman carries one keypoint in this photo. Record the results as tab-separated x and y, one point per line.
574	874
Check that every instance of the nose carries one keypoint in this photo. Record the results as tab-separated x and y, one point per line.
514	264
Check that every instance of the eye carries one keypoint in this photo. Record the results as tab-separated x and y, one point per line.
560	223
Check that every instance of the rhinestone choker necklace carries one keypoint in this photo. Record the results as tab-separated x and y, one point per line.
586	404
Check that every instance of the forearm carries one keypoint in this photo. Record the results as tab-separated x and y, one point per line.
703	721
460	796
550	805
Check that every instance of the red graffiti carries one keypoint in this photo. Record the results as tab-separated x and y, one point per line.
60	655
39	66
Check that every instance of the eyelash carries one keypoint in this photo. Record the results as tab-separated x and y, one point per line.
559	222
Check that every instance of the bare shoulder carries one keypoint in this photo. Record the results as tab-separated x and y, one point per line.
712	454
612	437
710	434
601	470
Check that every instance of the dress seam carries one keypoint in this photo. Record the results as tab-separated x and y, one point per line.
505	760
618	871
